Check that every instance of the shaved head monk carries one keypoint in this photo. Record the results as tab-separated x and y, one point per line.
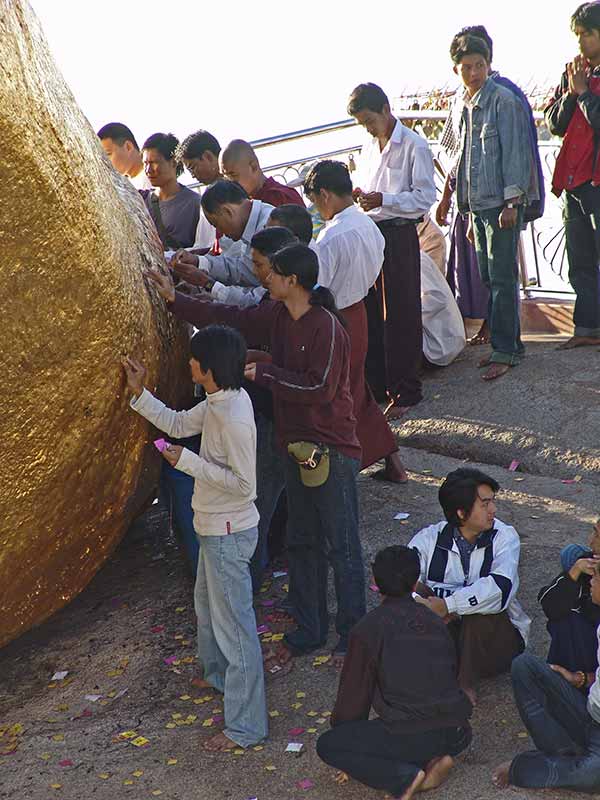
239	163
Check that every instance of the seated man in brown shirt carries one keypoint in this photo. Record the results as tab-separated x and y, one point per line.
402	662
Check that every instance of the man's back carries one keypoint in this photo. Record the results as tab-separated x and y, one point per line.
401	660
350	249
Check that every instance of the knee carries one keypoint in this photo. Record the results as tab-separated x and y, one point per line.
525	666
325	747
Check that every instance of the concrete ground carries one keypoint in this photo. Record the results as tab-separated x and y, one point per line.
544	413
136	617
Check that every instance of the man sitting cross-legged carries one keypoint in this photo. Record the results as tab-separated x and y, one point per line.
562	719
470	563
401	661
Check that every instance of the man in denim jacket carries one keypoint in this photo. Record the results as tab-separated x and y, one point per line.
493	177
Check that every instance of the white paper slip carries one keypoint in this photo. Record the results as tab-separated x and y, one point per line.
401	515
294	747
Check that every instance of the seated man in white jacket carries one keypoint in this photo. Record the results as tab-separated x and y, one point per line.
470	577
443	327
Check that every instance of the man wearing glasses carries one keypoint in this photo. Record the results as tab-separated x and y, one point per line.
469	577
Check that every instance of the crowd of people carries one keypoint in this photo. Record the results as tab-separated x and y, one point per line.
298	340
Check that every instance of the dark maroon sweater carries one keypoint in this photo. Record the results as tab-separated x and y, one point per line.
309	375
278	194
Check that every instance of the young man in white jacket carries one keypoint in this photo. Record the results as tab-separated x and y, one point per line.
470	577
225	519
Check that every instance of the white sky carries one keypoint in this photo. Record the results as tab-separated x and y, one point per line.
254	69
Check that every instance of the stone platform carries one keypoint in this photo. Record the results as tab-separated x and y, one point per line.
545	413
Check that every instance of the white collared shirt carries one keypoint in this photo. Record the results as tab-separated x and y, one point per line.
350	249
402	172
141	181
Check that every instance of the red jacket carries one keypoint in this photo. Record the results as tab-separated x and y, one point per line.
575	118
278	194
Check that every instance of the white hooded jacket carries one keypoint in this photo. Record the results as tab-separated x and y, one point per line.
493	579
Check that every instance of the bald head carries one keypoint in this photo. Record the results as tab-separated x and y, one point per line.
239	163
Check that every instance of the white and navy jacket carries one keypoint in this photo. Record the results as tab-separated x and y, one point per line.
493	579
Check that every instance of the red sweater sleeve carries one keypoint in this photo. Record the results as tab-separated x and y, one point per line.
319	383
253	323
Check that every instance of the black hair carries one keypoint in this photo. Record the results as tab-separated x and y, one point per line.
458	492
333	176
586	16
481	33
301	261
196	144
467	45
222	350
119	133
396	569
166	144
367	97
220	193
296	218
270	240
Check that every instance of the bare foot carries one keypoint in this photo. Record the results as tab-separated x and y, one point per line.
495	371
337	659
341	777
471	694
483	337
414	787
200	683
393	411
436	772
394	471
500	776
578	341
219	744
278	662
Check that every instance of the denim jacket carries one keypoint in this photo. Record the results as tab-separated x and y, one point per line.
495	162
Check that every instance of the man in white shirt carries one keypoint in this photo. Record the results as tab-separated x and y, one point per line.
563	720
119	144
396	188
225	519
470	575
229	209
350	249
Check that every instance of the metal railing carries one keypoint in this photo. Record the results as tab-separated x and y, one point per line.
542	252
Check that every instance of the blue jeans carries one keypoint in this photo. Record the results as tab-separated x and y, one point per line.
581	216
497	250
270	483
178	488
228	647
566	737
323	530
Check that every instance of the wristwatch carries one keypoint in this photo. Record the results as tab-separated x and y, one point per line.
209	285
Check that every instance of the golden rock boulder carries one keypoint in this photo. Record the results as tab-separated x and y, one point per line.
75	239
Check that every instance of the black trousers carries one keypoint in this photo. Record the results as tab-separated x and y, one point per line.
394	318
367	752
